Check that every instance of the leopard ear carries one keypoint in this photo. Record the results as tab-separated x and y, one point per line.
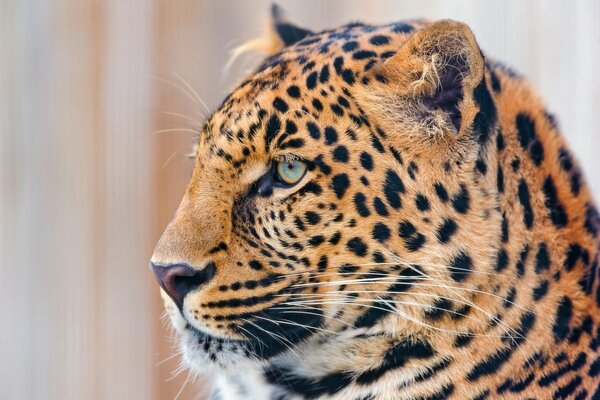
435	84
279	34
285	31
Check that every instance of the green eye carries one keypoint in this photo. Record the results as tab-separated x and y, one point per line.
290	172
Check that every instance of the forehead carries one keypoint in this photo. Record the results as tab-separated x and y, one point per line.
303	79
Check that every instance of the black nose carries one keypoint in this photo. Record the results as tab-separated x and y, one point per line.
178	280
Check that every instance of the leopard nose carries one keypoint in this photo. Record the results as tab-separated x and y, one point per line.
177	280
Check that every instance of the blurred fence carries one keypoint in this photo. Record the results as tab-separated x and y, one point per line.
96	117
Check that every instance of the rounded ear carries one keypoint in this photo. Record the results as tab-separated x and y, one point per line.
435	84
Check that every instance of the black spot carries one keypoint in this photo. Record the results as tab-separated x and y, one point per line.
522	260
376	143
293	144
317	104
441	192
396	155
380	207
500	179
348	76
462	340
293	91
310	187
573	254
290	128
592	220
501	260
325	385
340	184
324	75
542	259
340	154
311	80
313	130
273	127
481	166
460	201
322	264
486	117
401	27
381	232
316	240
337	110
379	40
366	161
446	230
357	246
331	135
360	201
504	236
525	200
528	138
392	188
440	307
555	209
338	63
460	266
312	217
363	54
500	144
395	358
540	291
515	164
564	313
343	102
335	238
421	202
280	105
255	265
594	367
509	300
413	239
350	46
495	81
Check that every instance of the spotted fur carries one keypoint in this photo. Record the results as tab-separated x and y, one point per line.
443	243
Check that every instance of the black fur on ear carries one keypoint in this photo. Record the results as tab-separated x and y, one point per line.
286	31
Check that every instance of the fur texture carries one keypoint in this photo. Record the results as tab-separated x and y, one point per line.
443	243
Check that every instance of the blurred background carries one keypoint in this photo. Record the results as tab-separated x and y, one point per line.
100	101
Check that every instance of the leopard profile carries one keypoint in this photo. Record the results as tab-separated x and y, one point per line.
384	212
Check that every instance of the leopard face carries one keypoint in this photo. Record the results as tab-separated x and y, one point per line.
348	215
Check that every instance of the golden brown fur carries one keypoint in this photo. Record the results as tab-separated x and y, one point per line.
442	244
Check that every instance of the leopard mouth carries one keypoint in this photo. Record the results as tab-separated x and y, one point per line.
266	334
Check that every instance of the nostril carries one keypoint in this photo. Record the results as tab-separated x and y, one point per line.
178	280
186	283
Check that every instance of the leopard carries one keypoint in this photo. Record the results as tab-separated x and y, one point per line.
384	212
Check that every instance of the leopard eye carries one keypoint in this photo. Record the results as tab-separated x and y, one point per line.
290	172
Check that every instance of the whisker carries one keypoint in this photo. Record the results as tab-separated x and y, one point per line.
191	89
176	130
197	123
275	336
182	90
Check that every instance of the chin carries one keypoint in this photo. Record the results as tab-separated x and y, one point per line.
205	353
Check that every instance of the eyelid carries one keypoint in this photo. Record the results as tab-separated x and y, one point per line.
288	157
